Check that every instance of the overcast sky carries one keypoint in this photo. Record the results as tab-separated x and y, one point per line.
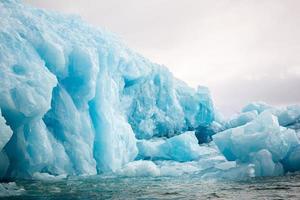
243	50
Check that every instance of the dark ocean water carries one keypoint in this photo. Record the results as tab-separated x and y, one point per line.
185	187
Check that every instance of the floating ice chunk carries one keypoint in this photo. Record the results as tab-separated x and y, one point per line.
262	133
261	142
240	172
159	168
10	189
173	168
48	177
150	149
225	165
181	148
139	168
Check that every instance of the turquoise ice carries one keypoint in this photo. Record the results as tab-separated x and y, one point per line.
262	142
75	100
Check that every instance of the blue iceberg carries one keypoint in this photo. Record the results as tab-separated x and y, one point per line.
75	100
262	142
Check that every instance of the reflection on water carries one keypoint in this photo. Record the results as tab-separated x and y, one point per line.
186	187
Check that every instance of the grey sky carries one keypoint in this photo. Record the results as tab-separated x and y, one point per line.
243	50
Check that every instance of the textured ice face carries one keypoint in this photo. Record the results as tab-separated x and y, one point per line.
262	142
159	105
5	133
257	106
292	160
241	119
76	98
288	116
180	148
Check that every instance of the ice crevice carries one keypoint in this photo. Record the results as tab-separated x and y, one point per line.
75	100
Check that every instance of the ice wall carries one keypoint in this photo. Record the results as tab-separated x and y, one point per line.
76	98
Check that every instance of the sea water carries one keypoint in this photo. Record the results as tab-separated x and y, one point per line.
184	187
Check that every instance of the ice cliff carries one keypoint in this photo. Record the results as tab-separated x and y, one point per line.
74	100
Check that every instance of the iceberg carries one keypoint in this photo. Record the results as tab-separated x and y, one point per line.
262	142
75	99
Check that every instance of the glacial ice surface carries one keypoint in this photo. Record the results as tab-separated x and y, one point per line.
180	148
288	116
74	100
6	132
262	142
